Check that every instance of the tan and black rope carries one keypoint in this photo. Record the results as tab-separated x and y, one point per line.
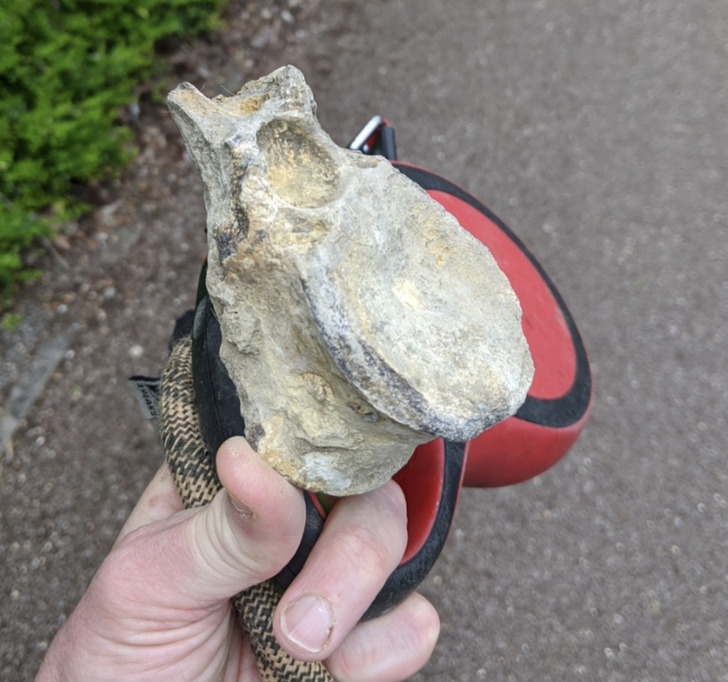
194	475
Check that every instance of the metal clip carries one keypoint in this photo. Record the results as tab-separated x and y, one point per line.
361	140
376	137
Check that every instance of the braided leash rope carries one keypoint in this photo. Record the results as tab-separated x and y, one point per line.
194	475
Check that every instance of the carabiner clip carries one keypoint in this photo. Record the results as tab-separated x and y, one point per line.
375	137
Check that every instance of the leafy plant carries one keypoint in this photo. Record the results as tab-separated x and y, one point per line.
66	66
10	321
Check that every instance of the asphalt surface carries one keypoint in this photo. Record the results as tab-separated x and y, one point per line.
599	132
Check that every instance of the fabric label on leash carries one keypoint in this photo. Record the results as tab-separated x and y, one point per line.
146	391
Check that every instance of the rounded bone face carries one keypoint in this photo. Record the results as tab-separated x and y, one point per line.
359	319
300	171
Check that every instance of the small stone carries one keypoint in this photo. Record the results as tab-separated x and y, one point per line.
358	318
60	241
136	351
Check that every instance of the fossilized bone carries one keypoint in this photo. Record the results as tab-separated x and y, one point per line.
359	319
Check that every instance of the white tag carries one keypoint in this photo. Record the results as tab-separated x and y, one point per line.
146	391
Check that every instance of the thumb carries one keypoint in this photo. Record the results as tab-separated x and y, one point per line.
249	531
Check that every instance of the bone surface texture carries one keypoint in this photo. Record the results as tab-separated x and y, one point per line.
358	318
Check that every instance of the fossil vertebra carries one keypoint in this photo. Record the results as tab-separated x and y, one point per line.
359	319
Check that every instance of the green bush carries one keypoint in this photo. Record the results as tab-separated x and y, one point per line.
66	66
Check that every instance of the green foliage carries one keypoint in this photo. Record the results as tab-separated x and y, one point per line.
66	66
18	230
10	321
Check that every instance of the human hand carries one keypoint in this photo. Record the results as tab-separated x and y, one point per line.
159	606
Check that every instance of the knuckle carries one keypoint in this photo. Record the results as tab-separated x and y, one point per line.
373	542
425	626
395	501
366	552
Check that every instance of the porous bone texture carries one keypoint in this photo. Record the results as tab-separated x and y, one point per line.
358	318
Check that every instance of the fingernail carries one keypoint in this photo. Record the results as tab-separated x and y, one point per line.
239	506
307	622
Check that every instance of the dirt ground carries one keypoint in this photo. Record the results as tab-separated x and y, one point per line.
598	132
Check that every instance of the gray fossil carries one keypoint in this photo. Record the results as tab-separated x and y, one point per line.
358	318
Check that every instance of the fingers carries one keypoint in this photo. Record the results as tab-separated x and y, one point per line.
200	558
247	533
361	544
391	647
250	530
